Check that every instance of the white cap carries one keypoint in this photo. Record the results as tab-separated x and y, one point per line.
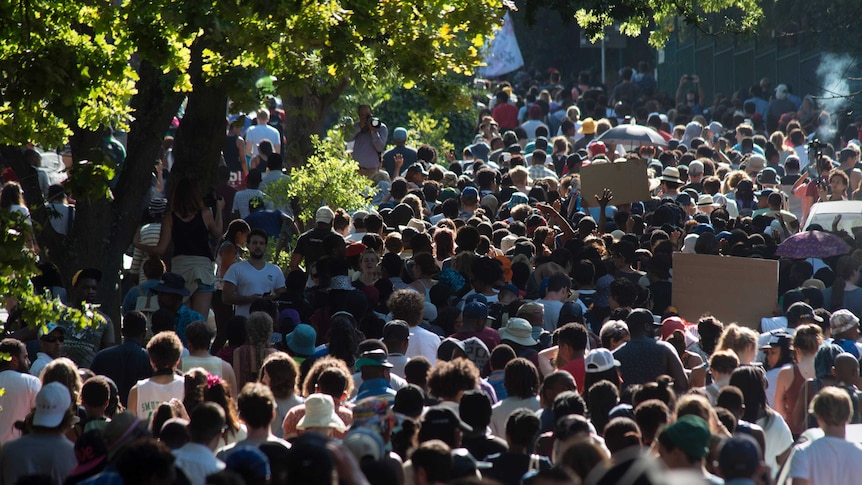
324	214
52	405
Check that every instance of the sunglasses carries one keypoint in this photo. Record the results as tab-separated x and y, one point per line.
52	340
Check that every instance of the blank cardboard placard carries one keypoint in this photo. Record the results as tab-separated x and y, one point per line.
741	290
627	180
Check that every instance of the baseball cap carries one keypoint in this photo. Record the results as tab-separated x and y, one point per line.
689	433
50	327
364	443
470	191
86	273
248	461
52	405
324	214
400	134
600	360
443	416
396	330
740	455
799	311
775	340
475	309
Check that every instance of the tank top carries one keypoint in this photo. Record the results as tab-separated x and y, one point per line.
152	394
191	238
790	398
211	364
231	154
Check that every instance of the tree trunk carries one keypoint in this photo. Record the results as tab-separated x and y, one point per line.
104	229
305	114
200	137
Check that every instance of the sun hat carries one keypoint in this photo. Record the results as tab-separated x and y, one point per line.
600	360
373	358
320	413
588	126
518	330
301	340
706	200
670	174
52	405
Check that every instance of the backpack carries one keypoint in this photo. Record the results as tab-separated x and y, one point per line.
147	305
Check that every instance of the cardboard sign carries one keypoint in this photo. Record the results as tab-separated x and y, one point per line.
627	180
741	290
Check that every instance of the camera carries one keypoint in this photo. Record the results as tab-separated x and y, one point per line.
375	122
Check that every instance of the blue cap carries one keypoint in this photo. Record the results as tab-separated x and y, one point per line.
517	198
400	134
475	309
723	235
248	461
475	297
703	228
470	191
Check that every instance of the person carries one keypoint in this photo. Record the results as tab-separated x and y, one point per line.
569	353
643	358
260	132
199	334
170	293
684	444
740	460
832	458
229	252
321	417
45	450
61	214
280	373
431	463
197	459
256	406
254	279
20	388
274	171
844	293
752	382
248	358
189	226
242	200
408	305
309	247
390	157
508	468
806	341
164	351
369	141
374	369
504	112
396	337
149	234
475	410
128	362
51	337
522	386
330	376
474	321
82	345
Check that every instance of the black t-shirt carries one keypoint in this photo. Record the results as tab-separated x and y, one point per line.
483	446
310	244
509	468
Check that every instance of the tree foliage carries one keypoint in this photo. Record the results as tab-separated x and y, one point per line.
654	16
329	177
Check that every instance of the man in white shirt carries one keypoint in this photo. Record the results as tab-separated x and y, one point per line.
408	305
197	459
254	279
259	132
20	388
832	458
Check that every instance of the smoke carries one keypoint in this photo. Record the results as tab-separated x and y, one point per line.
833	75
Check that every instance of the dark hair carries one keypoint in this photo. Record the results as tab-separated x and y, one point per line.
502	355
651	415
521	379
844	269
661	389
236	226
143	460
283	374
435	459
95	392
602	397
522	427
752	382
164	350
134	324
568	402
206	422
574	335
198	335
259	233
621	433
256	404
416	370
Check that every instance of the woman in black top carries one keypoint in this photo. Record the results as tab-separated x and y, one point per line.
189	225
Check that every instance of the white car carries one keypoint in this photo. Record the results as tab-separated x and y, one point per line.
824	213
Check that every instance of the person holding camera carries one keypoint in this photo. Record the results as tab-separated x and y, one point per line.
369	140
692	97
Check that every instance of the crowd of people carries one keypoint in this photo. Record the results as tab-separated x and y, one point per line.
482	321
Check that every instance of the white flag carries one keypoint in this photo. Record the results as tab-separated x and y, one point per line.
503	55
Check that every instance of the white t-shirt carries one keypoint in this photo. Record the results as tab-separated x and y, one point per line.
778	439
258	133
17	400
500	412
152	394
827	460
423	342
251	281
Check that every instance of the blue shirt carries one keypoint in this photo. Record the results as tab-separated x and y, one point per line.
375	387
184	317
